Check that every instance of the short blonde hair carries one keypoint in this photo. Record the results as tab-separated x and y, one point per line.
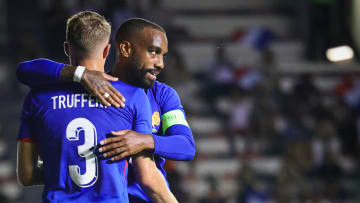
86	29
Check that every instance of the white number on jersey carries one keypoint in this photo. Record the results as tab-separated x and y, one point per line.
72	134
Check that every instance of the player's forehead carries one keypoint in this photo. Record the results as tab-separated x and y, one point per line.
153	37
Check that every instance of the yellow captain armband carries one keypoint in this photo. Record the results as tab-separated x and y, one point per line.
174	117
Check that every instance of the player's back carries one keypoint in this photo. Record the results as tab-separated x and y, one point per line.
69	124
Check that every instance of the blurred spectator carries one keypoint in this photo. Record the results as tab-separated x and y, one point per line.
175	72
331	176
251	189
347	129
258	38
178	77
219	77
344	86
292	182
325	142
213	194
305	91
352	95
221	69
241	111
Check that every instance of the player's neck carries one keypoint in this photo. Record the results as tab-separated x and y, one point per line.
90	64
120	74
119	71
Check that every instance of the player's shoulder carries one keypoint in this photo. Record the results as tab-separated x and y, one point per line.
127	90
43	93
165	95
162	88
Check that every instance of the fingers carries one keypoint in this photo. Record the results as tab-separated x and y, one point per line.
119	132
98	84
98	93
115	98
109	98
117	151
110	78
112	142
117	154
100	96
111	146
115	147
114	152
118	95
109	140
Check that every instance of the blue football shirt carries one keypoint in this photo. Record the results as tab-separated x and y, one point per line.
172	135
66	122
168	118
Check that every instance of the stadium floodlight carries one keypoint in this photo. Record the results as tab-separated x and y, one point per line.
340	53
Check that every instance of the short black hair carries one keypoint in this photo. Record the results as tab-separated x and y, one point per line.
131	26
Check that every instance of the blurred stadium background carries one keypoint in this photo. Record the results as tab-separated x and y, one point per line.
275	113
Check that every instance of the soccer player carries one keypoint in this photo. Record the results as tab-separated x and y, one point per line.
171	136
67	124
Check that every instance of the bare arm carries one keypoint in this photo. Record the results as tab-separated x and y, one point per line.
67	73
28	171
97	83
151	179
126	143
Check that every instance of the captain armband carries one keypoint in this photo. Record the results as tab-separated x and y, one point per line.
174	117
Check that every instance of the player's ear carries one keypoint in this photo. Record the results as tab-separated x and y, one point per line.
67	49
106	51
125	49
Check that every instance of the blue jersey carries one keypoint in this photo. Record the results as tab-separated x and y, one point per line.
168	118
173	138
67	123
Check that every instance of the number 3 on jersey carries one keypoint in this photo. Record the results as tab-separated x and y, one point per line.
73	130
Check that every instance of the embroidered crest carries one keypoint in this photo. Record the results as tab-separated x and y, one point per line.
155	121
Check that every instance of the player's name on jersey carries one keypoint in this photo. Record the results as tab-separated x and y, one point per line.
75	101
